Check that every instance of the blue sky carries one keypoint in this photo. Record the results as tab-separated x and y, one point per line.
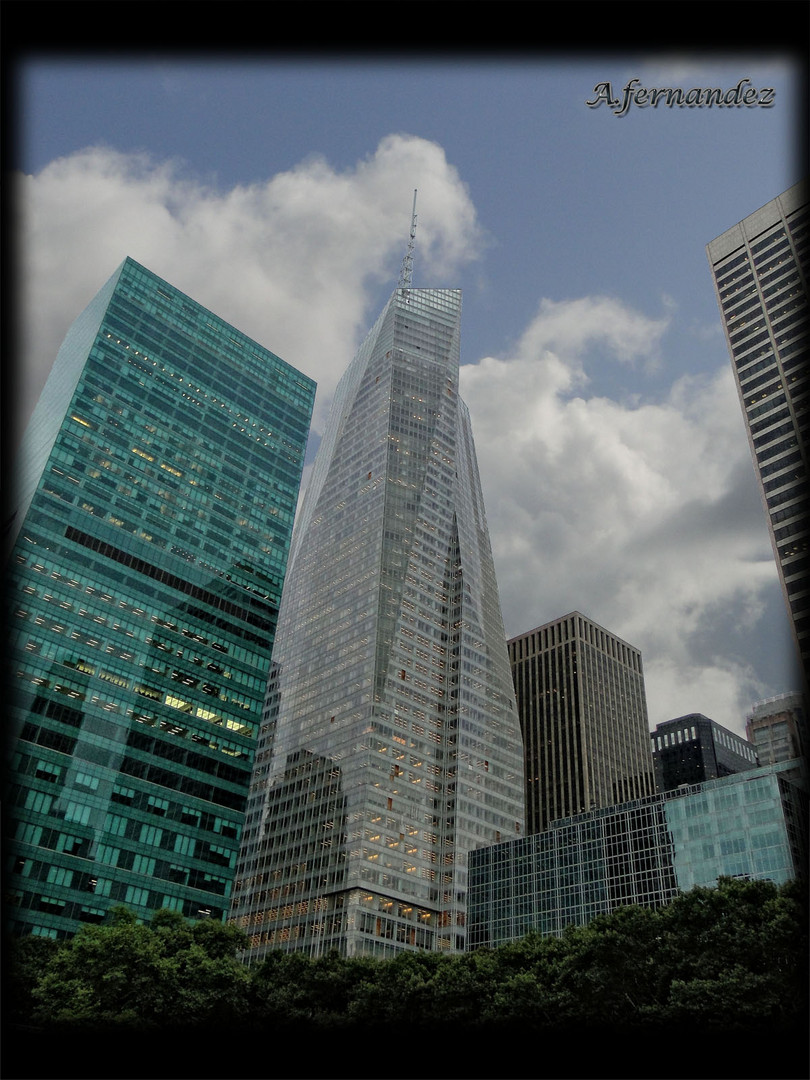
613	456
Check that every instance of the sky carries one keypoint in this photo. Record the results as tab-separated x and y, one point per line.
278	192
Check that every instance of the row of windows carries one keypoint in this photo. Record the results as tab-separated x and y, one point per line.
195	625
201	327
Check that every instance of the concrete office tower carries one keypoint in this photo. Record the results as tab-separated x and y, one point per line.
693	748
153	515
390	746
583	714
760	276
777	728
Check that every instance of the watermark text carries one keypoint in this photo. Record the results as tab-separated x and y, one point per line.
642	97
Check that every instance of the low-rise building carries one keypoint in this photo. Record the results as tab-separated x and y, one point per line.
751	824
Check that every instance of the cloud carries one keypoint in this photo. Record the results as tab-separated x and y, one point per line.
574	326
295	262
639	517
718	69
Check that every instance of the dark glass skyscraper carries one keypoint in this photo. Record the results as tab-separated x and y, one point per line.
151	522
760	274
583	713
693	748
390	746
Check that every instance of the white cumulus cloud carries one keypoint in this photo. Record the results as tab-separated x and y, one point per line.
639	514
292	261
635	516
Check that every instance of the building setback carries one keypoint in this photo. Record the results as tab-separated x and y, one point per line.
583	714
151	523
760	275
390	745
751	824
693	748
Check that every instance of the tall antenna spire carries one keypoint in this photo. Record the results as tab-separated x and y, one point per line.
406	273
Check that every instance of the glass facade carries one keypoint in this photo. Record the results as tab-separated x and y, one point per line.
390	744
152	519
760	275
693	748
751	825
755	828
583	713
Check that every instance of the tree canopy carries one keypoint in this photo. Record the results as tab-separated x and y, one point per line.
729	961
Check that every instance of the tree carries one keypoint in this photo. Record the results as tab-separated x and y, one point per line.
736	956
608	974
720	958
124	973
26	960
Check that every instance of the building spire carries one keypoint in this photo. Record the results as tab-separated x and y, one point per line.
406	273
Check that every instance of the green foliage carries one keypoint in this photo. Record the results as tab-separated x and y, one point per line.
289	988
126	974
26	960
736	956
731	958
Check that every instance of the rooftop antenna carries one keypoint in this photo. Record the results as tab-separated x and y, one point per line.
406	273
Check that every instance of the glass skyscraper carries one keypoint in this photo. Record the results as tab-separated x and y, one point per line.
751	824
583	713
760	274
151	522
390	745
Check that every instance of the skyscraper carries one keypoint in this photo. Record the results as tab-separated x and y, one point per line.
390	746
693	748
777	728
760	275
152	515
583	713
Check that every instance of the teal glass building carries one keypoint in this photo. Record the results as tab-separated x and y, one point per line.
751	824
390	743
151	521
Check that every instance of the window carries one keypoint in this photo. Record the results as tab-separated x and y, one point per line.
184	845
142	864
115	825
150	834
59	875
46	771
134	895
108	855
39	802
